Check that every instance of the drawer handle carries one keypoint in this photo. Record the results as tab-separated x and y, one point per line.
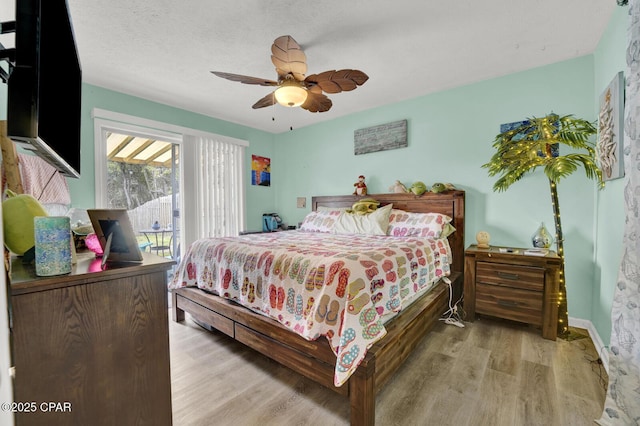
508	276
509	303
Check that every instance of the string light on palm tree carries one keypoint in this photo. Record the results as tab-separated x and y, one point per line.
531	145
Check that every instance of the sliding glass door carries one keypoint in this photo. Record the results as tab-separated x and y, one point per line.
142	177
138	169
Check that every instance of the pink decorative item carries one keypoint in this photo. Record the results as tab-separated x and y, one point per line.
93	244
95	265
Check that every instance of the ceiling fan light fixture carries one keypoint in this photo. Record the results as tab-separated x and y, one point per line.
293	88
290	95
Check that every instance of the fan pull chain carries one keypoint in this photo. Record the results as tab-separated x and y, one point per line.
290	113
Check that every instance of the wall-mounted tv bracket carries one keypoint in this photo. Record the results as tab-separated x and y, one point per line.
8	55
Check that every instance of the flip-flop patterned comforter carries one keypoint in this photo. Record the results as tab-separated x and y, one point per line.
319	284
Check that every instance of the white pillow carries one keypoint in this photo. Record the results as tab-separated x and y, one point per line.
374	223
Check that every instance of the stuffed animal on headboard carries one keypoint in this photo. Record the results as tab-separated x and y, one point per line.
361	187
398	188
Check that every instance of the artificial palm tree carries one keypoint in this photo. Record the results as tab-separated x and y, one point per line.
531	145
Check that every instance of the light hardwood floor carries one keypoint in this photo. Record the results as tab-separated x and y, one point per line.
488	373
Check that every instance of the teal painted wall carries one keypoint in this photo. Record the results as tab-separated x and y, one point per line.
609	59
260	143
450	138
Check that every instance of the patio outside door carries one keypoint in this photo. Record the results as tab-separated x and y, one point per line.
143	177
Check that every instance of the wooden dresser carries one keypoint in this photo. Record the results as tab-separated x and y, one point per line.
513	286
92	347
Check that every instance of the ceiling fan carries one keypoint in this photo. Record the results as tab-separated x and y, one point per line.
293	88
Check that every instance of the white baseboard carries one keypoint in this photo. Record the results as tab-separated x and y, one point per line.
603	350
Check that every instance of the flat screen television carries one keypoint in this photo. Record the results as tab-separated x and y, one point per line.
44	87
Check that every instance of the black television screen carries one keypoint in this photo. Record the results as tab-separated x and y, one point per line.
45	85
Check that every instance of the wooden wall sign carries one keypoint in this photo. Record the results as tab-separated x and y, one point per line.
380	138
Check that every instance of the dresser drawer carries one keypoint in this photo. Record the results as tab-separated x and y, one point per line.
513	276
510	303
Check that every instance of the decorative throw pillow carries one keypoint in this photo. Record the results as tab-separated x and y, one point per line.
374	223
320	221
426	225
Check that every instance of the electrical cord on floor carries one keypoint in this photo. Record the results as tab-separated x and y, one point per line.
454	315
598	367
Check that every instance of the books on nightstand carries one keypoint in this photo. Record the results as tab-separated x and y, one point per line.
536	252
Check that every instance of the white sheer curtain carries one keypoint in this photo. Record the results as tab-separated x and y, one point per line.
219	197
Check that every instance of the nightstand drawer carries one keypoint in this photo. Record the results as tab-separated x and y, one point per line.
510	303
514	276
514	286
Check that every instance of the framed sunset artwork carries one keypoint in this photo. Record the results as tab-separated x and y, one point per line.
260	171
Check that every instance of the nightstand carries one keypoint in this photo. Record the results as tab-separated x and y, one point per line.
512	286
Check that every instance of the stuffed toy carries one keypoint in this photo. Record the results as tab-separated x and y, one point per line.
364	206
361	187
418	188
398	188
441	187
438	187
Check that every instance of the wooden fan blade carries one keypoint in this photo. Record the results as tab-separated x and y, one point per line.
288	58
317	102
337	81
268	100
245	79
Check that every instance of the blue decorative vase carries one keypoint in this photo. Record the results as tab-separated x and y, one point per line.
541	238
53	245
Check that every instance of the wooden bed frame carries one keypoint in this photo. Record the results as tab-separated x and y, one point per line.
315	359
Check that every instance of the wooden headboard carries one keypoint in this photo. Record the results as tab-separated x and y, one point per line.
450	203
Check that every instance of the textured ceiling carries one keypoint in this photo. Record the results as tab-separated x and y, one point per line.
164	50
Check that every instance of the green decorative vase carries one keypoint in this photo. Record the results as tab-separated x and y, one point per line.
541	238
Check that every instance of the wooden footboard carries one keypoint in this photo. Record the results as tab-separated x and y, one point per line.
315	359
